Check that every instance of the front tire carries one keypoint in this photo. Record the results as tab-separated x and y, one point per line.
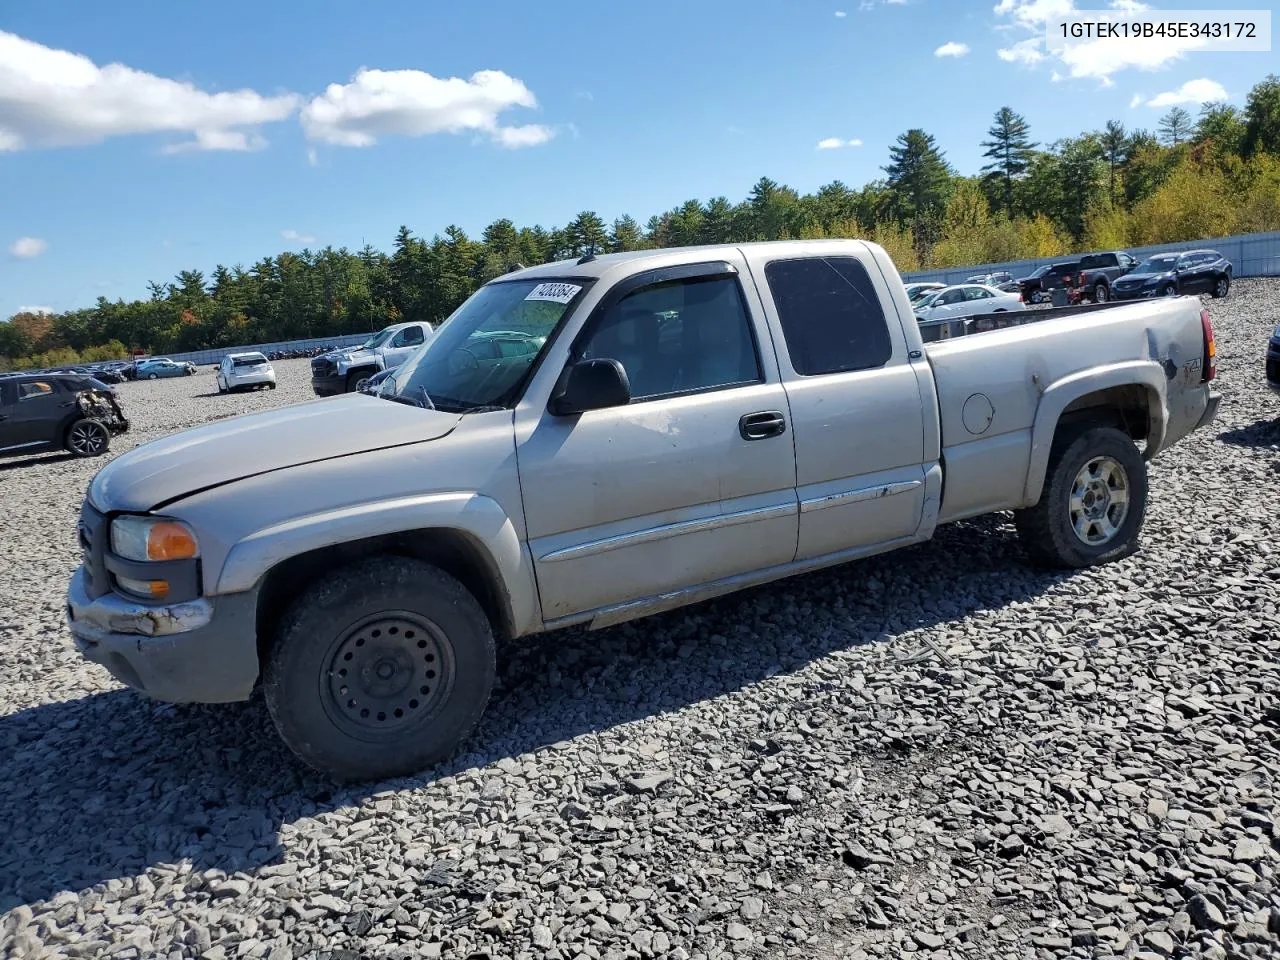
380	669
1093	503
151	376
1221	287
88	438
1169	290
353	380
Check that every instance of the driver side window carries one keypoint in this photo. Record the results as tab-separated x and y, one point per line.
682	336
408	337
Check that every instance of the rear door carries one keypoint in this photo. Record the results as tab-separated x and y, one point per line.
856	408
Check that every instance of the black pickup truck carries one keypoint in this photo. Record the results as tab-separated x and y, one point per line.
1096	273
1037	287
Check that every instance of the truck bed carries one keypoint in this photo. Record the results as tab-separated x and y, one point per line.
994	389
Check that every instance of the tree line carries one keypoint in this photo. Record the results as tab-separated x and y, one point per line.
1193	177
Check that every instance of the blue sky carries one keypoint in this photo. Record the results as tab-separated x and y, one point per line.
138	139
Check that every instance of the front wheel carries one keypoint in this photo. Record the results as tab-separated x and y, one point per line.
1101	294
1093	503
353	380
380	669
151	376
1169	290
88	438
1221	287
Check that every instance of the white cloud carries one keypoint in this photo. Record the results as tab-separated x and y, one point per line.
313	158
952	49
865	5
835	143
25	248
411	103
896	3
1135	100
1055	77
35	310
1024	51
1098	59
1193	91
56	98
293	236
841	13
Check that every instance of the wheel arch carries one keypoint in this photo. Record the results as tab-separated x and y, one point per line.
1128	396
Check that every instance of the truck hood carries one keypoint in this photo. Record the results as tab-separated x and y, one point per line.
172	467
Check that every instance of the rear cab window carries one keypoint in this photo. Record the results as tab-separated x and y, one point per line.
832	317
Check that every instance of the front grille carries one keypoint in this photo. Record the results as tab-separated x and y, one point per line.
322	367
92	531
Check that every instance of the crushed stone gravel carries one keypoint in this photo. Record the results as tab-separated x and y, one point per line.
941	752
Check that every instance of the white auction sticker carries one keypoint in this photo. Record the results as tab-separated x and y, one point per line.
555	292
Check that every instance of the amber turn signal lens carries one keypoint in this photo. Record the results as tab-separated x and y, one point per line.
155	589
170	541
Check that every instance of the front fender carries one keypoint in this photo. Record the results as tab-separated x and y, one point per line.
1062	393
478	517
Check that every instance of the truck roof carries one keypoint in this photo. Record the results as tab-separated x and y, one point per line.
603	263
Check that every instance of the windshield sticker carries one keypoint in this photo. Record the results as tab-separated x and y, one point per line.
555	292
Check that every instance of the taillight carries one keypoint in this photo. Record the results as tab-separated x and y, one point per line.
1210	347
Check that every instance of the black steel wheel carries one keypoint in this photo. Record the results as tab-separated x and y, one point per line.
380	669
88	438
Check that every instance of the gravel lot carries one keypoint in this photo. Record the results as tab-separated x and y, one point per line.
938	752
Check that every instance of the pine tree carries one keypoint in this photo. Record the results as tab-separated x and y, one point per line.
1010	150
1175	126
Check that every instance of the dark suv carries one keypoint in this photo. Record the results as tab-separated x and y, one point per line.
57	411
1175	274
1273	361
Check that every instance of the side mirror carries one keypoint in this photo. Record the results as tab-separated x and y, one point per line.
591	385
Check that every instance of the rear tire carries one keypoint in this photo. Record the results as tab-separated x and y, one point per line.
1101	294
271	386
1221	287
380	669
1093	503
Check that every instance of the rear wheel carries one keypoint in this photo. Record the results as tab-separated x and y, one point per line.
380	669
1093	503
1101	294
88	438
1221	287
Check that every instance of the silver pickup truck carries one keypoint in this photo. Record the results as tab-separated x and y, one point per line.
594	441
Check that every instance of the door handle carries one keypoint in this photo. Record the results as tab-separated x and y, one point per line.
758	426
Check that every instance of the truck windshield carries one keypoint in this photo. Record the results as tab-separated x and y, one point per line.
481	354
376	340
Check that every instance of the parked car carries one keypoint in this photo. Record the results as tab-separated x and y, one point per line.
1174	274
991	279
72	412
1038	287
342	370
918	291
239	371
967	299
1273	360
163	367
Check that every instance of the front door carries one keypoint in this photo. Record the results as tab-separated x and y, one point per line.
681	486
402	344
41	407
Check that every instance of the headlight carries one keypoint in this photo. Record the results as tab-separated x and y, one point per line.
152	538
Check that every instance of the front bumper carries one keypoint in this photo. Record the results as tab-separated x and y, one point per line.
202	651
329	386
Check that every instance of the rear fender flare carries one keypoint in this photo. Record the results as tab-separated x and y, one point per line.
1060	394
478	517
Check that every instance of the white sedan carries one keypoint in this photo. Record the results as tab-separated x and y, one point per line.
240	370
967	300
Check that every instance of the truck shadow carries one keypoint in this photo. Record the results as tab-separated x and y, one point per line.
1264	433
110	784
22	463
